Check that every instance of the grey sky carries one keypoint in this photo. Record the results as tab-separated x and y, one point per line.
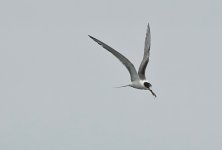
57	84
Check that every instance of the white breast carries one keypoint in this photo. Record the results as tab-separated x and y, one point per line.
138	84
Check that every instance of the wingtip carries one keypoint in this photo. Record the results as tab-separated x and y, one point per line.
148	26
92	37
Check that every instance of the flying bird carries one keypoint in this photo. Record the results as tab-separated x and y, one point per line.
138	80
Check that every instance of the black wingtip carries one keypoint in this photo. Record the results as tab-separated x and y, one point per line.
148	26
92	38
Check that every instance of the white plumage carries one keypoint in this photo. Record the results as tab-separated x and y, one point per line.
138	80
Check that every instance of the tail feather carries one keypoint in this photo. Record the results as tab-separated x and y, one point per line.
121	86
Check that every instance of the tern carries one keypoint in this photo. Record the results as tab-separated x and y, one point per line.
138	80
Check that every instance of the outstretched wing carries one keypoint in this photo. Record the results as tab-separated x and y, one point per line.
133	74
146	55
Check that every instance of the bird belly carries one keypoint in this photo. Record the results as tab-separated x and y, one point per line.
137	85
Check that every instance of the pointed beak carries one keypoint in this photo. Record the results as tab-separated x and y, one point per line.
152	92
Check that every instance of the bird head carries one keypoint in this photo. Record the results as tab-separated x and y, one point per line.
148	86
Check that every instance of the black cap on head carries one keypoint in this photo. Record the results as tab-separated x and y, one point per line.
147	85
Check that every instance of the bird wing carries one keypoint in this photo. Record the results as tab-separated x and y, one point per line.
146	55
133	73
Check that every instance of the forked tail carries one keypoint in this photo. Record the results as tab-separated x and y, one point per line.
122	86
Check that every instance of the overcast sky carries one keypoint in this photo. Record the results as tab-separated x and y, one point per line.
57	84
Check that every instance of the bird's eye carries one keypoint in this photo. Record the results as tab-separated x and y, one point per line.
146	84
